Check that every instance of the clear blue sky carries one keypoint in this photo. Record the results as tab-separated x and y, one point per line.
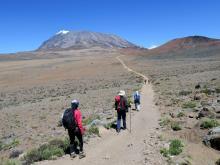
25	24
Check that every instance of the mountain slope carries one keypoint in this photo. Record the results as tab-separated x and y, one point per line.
192	46
83	39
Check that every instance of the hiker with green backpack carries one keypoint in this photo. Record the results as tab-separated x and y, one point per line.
72	121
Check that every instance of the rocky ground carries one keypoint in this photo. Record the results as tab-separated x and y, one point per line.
189	101
34	94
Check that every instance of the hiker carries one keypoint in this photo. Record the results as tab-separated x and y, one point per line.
145	81
121	105
137	100
72	121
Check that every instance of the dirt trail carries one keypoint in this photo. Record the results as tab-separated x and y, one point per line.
125	148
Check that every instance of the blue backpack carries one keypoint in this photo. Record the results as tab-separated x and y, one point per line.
137	97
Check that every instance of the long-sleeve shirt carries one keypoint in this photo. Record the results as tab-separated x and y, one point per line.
78	119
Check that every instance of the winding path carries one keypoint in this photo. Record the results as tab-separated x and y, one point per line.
125	148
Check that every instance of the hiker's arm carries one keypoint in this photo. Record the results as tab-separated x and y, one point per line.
79	121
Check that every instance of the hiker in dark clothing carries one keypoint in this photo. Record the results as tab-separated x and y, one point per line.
121	105
76	131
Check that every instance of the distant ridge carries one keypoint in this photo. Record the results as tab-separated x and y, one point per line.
65	39
191	46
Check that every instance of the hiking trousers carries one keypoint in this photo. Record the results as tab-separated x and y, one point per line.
73	143
121	115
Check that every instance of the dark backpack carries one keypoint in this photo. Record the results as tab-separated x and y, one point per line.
68	119
122	104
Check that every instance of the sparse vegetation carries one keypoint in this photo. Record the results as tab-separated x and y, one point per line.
175	126
209	123
9	162
89	119
184	93
93	130
164	121
55	148
110	125
12	144
189	104
175	148
180	114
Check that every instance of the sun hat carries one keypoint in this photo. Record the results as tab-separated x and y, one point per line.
121	93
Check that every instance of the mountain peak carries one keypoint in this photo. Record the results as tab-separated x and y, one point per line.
84	39
63	32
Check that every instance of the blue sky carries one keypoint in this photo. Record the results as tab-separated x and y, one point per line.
25	24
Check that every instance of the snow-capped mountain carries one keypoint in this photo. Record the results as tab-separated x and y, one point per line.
65	39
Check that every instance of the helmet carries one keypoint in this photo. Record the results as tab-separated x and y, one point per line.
74	104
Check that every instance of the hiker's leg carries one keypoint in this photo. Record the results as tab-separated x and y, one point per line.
80	138
124	119
72	141
119	121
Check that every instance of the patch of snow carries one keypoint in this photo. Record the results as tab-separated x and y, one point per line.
63	32
152	46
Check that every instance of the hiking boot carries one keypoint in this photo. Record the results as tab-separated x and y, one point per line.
81	154
73	155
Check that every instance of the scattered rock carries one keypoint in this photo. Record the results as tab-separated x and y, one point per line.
15	153
197	96
206	112
212	139
191	115
198	86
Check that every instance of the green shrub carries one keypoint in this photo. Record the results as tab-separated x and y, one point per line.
180	114
164	152
176	147
217	162
14	143
209	123
175	126
93	130
189	104
10	162
55	148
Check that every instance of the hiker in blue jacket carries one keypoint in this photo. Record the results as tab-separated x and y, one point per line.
137	100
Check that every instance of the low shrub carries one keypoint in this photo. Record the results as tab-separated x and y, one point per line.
9	162
175	148
12	144
164	152
209	123
93	130
189	104
55	148
180	114
175	126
